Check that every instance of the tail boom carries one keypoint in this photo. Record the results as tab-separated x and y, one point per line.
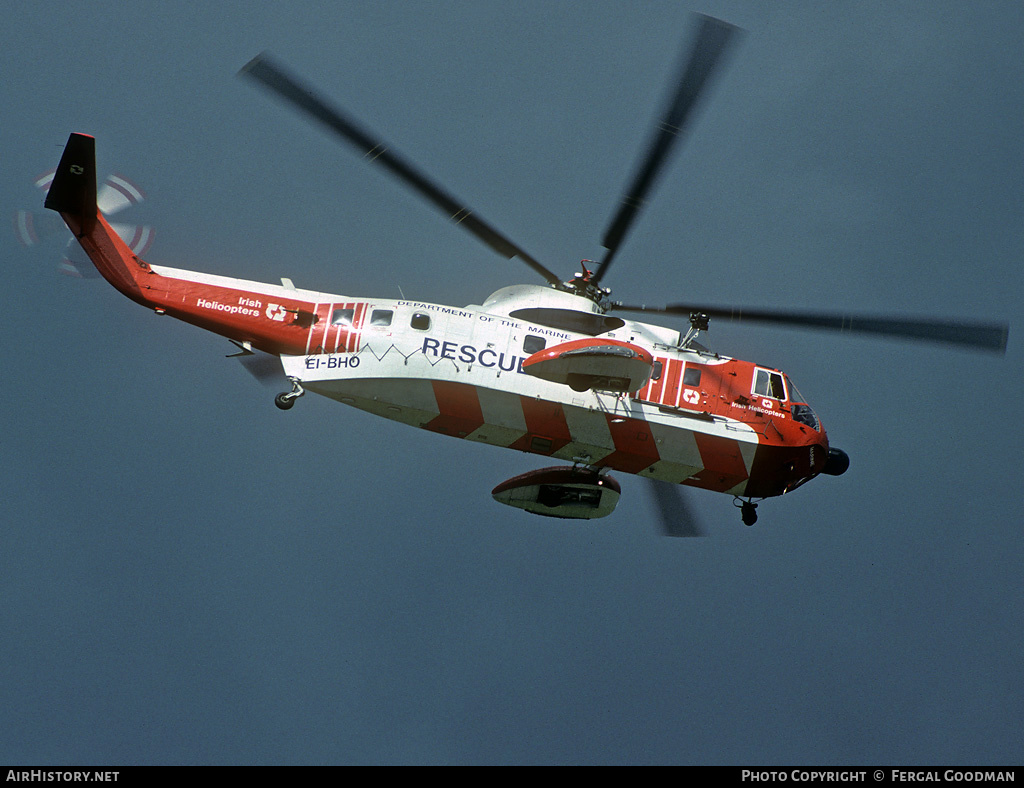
235	308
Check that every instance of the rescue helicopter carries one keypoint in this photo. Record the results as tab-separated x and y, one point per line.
545	369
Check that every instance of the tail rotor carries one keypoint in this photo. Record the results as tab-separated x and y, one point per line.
115	195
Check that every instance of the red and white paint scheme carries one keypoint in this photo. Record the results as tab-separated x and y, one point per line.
540	369
695	418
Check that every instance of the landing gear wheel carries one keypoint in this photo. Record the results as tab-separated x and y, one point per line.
286	399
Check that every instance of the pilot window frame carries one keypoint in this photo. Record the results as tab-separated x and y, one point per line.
768	383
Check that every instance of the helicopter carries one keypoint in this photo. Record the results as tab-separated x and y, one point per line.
545	369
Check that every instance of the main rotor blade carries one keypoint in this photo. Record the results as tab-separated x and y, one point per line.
986	336
277	80
709	45
677	516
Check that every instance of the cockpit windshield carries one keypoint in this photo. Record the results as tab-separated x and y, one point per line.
799	409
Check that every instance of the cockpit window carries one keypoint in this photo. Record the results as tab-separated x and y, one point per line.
769	384
805	415
800	410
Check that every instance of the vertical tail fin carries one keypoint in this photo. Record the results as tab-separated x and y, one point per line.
73	195
73	190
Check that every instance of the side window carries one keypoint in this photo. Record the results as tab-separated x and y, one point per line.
769	384
381	317
342	317
532	344
691	377
420	321
656	370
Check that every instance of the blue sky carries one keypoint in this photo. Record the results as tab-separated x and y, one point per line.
189	575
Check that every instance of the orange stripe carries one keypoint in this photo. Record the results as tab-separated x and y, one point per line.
326	342
333	348
635	447
459	406
363	308
670	394
323	316
547	430
327	329
723	464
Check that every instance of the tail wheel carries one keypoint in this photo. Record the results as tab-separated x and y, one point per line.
284	401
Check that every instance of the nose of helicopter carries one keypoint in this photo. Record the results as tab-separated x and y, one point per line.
837	463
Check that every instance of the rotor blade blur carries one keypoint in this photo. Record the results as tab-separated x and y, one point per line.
709	45
274	78
985	336
677	516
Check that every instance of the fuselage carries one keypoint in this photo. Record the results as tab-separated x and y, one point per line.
699	419
703	419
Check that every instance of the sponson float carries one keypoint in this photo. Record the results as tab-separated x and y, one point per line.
600	364
570	493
